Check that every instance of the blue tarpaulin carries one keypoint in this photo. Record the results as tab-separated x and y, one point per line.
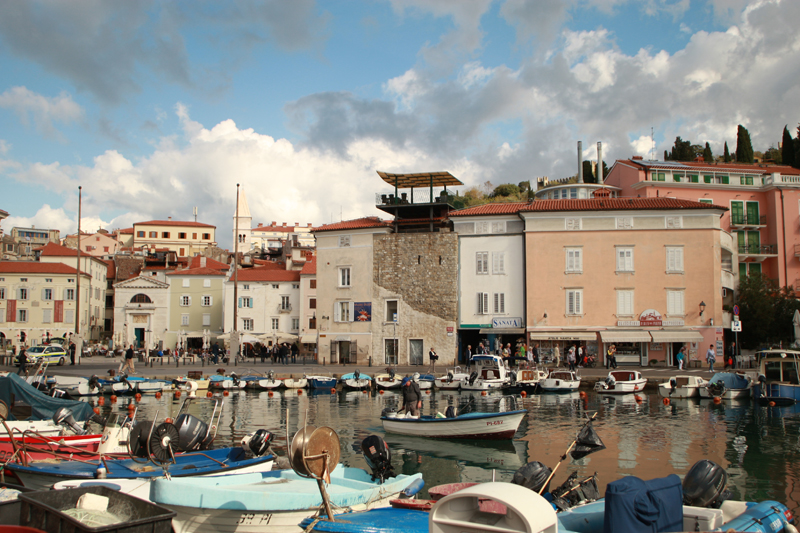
637	506
15	389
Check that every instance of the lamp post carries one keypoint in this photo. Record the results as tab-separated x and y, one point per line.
702	308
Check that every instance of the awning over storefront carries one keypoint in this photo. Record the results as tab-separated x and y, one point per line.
676	335
308	339
502	331
612	335
563	335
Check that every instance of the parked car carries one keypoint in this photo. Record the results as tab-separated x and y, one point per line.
51	354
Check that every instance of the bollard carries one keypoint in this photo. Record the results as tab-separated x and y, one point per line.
203	362
323	361
151	362
177	362
162	361
370	361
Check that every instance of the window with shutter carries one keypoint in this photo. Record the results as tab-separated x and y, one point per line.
624	259
498	263
575	302
499	303
674	259
675	303
483	303
481	262
574	260
625	303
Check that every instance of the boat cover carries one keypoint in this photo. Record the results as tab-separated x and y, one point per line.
386	520
637	506
42	406
730	380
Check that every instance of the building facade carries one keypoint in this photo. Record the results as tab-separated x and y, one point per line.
186	238
29	239
195	306
308	307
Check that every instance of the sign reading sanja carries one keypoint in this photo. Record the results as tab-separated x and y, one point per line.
650	318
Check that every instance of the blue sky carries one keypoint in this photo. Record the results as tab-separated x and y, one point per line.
157	107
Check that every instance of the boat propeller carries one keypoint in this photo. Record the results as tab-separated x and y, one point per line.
64	417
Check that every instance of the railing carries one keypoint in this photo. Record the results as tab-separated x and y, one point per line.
764	249
778	179
414	196
284	308
744	220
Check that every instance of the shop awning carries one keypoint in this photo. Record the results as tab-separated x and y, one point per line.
611	335
308	339
502	331
562	335
676	335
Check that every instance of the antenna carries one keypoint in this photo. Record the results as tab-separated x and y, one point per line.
195	213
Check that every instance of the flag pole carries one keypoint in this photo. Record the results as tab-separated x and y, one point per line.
572	445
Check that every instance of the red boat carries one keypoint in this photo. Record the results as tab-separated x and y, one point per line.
32	447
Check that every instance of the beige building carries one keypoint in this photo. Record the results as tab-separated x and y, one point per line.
29	239
186	238
308	306
37	301
100	244
141	312
195	305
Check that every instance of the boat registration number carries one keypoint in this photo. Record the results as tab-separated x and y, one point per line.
494	422
256	519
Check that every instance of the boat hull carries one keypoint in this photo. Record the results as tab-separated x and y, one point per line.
321	382
292	383
467	426
665	391
729	394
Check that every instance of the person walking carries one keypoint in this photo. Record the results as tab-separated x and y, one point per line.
571	358
264	353
215	353
295	351
732	355
611	357
412	397
711	357
557	356
681	357
468	355
129	360
71	354
23	361
284	354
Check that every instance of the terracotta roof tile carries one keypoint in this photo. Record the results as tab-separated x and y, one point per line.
359	223
52	249
310	267
202	271
275	265
126	231
590	204
268	274
754	168
173	223
491	209
196	261
35	267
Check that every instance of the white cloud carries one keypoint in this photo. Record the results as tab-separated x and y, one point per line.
44	111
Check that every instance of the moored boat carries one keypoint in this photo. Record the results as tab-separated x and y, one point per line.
778	377
295	383
321	382
681	386
621	382
488	372
474	425
560	381
728	386
451	380
388	380
356	381
526	379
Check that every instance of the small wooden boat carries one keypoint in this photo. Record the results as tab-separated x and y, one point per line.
388	381
322	382
621	382
728	386
682	387
451	380
356	381
269	382
560	381
474	425
226	382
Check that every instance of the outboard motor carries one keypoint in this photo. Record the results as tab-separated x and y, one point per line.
63	417
271	375
705	485
235	378
513	377
449	377
94	383
532	476
191	431
378	457
610	382
356	375
258	442
673	383
473	377
451	411
716	388
391	374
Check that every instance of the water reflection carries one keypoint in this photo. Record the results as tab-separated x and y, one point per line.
758	446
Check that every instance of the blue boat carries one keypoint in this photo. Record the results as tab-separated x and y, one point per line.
321	382
728	386
778	377
41	475
356	381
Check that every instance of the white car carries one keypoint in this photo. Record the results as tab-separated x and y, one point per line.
51	354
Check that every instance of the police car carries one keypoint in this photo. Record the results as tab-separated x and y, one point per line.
51	354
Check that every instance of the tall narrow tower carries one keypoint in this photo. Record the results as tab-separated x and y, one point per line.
245	224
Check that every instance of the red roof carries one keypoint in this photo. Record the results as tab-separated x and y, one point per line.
173	223
276	265
310	267
52	249
35	267
750	168
359	223
126	231
204	271
511	208
267	274
112	268
286	229
196	261
590	204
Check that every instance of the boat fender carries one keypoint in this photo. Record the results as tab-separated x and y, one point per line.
414	488
766	517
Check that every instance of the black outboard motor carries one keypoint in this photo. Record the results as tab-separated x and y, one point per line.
391	374
192	431
63	417
449	377
356	375
705	485
258	443
378	457
473	377
235	378
451	411
271	375
513	377
533	476
610	382
94	383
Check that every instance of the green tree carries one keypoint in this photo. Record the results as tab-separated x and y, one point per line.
588	173
727	155
767	312
681	151
505	190
708	157
666	156
774	155
744	149
787	148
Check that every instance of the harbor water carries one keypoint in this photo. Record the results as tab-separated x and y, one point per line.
644	437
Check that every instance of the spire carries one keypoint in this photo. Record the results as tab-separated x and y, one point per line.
244	210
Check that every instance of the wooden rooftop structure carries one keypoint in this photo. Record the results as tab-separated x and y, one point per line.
421	179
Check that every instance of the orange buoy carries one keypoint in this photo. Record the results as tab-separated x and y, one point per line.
483	393
270	394
772	404
177	394
524	394
716	400
209	394
113	398
138	397
225	392
168	420
96	410
666	401
131	407
158	395
582	394
366	391
637	398
380	391
333	390
299	392
101	401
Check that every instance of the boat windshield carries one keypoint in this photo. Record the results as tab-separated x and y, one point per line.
783	371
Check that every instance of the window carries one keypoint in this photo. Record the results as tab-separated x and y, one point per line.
575	302
105	249
206	283
312	284
344	276
274	286
481	262
312	303
574	260
186	300
165	235
2	293
674	259
499	303
482	227
207	301
391	311
207	236
498	262
47	294
312	322
624	259
88	248
184	320
285	305
706	201
69	316
242	238
675	303
47	316
181	235
624	303
344	241
245	286
295	285
153	234
137	299
206	319
69	294
48	280
22	315
186	282
483	303
247	324
194	236
22	294
295	324
275	324
245	301
344	312
140	234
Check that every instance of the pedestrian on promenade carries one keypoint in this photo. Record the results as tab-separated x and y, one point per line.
129	360
681	357
711	357
571	358
295	351
23	361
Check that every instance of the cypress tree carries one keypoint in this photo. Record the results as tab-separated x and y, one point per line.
666	155
787	148
744	150
727	156
588	174
708	157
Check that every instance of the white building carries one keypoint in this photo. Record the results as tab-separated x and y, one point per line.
141	311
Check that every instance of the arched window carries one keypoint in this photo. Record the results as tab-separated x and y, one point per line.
141	299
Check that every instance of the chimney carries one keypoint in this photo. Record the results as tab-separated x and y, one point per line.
202	261
580	162
273	223
309	224
284	224
296	224
599	162
169	218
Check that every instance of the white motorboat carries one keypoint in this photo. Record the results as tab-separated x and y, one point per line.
621	382
388	380
452	380
356	381
269	382
474	425
295	383
78	386
682	387
728	386
489	373
560	381
526	379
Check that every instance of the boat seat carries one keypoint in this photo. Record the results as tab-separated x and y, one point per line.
490	374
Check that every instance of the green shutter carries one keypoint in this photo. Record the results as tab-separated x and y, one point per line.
725	180
693	178
754	242
755	268
740	241
707	178
752	213
742	271
737	214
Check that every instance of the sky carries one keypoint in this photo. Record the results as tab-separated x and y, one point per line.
154	108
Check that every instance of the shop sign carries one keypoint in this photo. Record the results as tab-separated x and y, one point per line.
449	329
506	322
648	319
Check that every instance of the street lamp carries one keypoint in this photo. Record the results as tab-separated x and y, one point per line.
702	308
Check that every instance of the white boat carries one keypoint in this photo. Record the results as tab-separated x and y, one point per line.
621	382
681	387
489	372
560	381
269	382
356	381
425	381
527	379
728	386
46	428
295	383
78	386
388	381
474	425
451	380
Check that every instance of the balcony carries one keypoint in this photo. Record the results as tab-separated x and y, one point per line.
285	308
744	221
414	197
727	279
758	252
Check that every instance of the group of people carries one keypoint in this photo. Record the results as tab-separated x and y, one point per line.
280	352
521	355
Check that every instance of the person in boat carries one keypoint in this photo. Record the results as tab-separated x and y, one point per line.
412	397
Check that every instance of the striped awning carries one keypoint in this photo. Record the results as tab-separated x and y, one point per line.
676	335
613	335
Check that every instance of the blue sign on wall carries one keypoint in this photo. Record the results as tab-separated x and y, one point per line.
362	311
506	322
